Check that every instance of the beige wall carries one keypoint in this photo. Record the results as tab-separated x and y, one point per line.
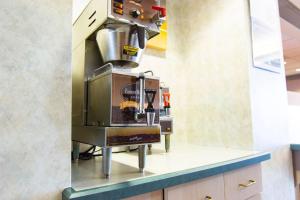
35	79
294	124
294	117
219	98
206	66
270	116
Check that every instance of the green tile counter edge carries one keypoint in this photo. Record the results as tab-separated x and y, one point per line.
158	182
295	147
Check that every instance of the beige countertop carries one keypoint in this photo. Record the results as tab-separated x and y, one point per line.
87	174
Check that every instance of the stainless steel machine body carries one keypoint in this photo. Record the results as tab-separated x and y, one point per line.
121	45
166	120
111	34
114	97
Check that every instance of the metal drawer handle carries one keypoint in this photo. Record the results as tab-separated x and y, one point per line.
250	182
208	198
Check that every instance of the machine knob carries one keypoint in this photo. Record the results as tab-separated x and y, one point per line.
135	13
161	10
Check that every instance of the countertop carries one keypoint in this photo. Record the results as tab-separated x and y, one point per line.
183	164
295	147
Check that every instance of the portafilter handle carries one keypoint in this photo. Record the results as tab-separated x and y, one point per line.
140	31
141	36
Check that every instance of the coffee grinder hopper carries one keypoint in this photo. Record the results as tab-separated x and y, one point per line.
122	44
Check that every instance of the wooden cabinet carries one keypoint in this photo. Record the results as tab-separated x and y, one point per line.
241	184
157	195
211	188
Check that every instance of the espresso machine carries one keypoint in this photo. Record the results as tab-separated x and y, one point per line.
112	107
165	117
166	120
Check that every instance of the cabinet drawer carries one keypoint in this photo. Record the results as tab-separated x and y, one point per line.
256	197
243	183
157	195
204	189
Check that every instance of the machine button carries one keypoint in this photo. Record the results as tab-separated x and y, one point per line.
118	11
135	13
118	5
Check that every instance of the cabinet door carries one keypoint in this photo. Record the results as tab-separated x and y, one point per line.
243	183
211	188
157	195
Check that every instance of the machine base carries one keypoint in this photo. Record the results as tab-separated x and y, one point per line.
108	137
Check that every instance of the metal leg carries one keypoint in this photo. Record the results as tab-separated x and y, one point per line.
106	161
75	152
167	142
142	157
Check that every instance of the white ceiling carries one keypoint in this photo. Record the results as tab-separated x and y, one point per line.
291	46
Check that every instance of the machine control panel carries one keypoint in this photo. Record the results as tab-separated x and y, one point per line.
135	13
142	12
118	6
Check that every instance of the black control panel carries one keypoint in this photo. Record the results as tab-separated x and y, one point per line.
118	7
136	11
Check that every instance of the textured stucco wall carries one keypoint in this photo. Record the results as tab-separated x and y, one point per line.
218	97
270	116
294	120
35	98
206	66
294	124
277	175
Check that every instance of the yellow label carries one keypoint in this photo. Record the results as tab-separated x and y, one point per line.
128	104
130	50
